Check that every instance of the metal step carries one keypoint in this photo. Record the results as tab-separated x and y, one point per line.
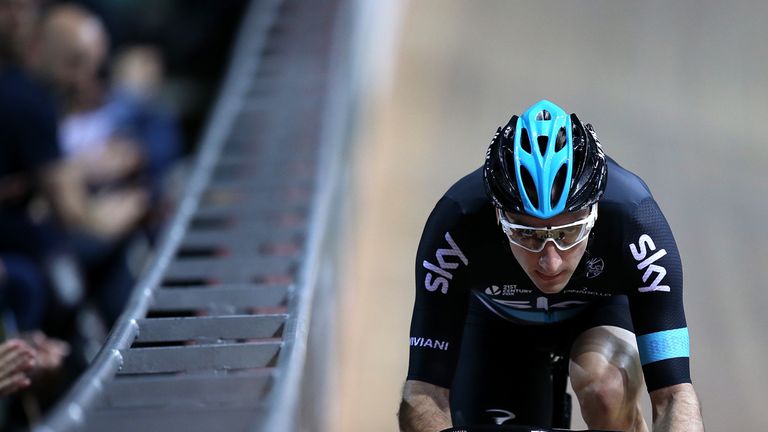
210	328
214	357
232	297
188	390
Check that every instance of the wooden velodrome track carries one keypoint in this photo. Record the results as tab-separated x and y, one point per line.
677	92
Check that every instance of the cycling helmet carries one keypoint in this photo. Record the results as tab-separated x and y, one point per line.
544	163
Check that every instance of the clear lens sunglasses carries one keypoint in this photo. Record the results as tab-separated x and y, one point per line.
535	238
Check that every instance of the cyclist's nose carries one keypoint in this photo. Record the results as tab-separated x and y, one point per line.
550	260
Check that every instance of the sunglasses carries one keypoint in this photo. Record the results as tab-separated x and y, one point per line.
534	239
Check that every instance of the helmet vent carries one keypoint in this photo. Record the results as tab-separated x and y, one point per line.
543	115
543	141
560	141
558	186
529	186
525	142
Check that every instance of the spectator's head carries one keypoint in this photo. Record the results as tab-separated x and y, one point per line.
139	70
72	49
18	21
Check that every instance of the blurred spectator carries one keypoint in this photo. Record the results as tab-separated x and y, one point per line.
138	75
117	133
30	157
194	38
71	54
34	250
81	158
29	164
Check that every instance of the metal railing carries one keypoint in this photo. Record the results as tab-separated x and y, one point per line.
216	332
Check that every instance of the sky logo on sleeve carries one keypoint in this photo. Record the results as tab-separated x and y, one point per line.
640	253
439	275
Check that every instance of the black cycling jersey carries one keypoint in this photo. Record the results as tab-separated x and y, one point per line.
463	255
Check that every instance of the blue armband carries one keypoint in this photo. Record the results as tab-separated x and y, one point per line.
664	345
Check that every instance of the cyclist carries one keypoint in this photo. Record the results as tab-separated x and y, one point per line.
549	250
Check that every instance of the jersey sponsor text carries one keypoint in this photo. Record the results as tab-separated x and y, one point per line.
506	290
432	283
640	252
429	343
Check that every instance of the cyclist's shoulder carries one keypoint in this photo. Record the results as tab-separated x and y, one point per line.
468	195
463	208
624	190
628	205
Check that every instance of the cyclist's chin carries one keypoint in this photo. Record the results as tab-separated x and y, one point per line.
551	289
551	284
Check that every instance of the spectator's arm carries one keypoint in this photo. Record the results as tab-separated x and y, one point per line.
118	160
108	216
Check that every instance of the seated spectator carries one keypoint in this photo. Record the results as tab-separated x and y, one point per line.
72	50
138	75
30	157
34	250
29	164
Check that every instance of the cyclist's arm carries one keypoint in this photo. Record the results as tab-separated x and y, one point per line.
676	408
656	303
439	309
424	408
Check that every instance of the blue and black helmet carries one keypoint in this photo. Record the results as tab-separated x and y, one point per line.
544	163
